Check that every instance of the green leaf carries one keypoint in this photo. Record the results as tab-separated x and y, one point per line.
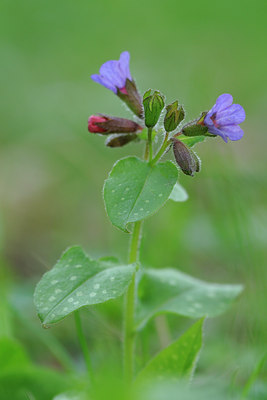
171	291
178	193
177	360
191	141
77	281
135	190
254	375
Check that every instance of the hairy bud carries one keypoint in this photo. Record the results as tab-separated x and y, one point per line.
174	115
105	125
120	140
153	105
186	159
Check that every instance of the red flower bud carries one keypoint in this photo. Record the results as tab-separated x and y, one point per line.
93	122
105	125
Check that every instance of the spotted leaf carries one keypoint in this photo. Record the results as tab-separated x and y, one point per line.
76	281
171	291
177	360
135	190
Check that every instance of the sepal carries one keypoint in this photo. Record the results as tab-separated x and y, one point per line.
131	97
174	115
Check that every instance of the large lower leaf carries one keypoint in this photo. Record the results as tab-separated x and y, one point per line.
177	360
171	291
135	190
77	281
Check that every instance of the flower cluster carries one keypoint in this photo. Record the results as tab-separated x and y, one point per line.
115	75
222	119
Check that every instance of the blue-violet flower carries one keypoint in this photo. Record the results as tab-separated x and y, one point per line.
115	75
224	118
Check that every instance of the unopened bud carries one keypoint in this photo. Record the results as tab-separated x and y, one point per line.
187	160
130	95
174	115
105	125
93	124
120	140
153	105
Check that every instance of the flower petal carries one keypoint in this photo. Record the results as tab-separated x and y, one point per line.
111	72
217	132
104	82
234	132
124	65
233	115
222	102
207	120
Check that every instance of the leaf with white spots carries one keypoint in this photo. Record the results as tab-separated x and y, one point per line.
76	281
178	193
178	360
171	291
135	190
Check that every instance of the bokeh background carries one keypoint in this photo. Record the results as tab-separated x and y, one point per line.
52	170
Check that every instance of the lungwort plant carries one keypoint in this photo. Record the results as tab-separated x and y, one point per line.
134	190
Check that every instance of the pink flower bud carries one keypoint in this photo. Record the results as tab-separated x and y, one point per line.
105	125
93	122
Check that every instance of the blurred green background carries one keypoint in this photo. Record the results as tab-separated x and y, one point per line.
52	170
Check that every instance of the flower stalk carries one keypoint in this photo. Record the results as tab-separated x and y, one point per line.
83	344
129	309
166	143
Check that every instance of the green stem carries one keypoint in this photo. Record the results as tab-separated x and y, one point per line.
129	334
146	155
163	148
149	138
83	344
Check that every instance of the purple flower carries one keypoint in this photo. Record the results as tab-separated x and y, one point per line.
113	74
224	118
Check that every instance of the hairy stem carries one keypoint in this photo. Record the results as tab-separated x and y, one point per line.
149	139
129	334
162	150
83	344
